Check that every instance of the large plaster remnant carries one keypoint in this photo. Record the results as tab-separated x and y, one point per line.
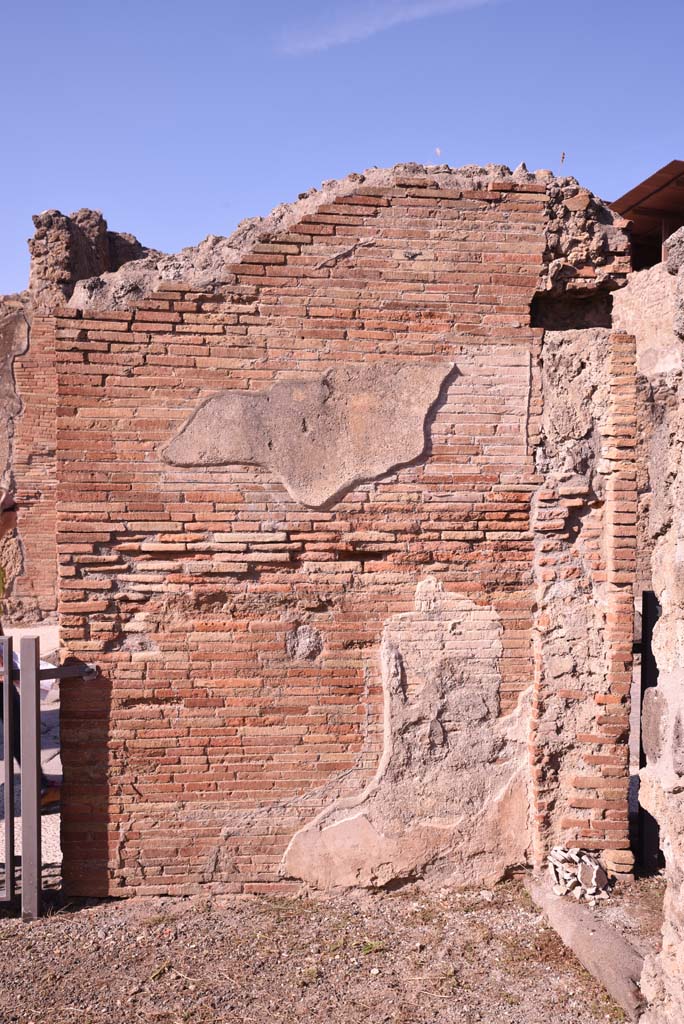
652	308
449	799
320	436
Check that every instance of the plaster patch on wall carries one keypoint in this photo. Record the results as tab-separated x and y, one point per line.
321	436
450	796
14	336
14	340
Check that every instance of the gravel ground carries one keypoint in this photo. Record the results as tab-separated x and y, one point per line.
636	911
403	958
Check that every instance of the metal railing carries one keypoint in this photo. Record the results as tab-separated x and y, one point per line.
29	675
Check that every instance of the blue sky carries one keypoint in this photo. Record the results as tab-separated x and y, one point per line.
179	119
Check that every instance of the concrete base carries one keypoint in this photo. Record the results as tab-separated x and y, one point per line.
599	947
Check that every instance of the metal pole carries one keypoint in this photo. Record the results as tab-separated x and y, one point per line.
31	862
8	749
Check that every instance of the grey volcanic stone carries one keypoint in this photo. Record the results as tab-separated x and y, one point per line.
304	643
674	248
653	721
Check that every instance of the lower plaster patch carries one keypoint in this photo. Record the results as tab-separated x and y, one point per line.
450	796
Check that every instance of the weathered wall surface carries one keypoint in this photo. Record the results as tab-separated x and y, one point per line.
295	532
14	331
63	251
584	241
585	538
652	307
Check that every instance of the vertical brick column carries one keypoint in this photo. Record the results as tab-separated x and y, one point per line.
585	534
35	590
608	748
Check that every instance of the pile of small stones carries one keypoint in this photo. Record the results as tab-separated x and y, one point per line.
579	872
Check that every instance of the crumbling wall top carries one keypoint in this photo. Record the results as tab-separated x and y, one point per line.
65	249
586	244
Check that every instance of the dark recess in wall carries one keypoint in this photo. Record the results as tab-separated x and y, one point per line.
572	312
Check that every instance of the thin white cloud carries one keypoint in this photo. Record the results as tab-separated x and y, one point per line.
353	20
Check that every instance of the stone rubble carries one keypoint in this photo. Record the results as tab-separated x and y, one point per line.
579	872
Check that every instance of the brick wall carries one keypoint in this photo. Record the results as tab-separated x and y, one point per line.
34	592
237	629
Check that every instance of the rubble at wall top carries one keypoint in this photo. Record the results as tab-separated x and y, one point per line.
77	259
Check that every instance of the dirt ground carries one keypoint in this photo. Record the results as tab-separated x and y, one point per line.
636	912
403	958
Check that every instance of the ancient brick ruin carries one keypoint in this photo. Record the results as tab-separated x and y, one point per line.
346	513
64	250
